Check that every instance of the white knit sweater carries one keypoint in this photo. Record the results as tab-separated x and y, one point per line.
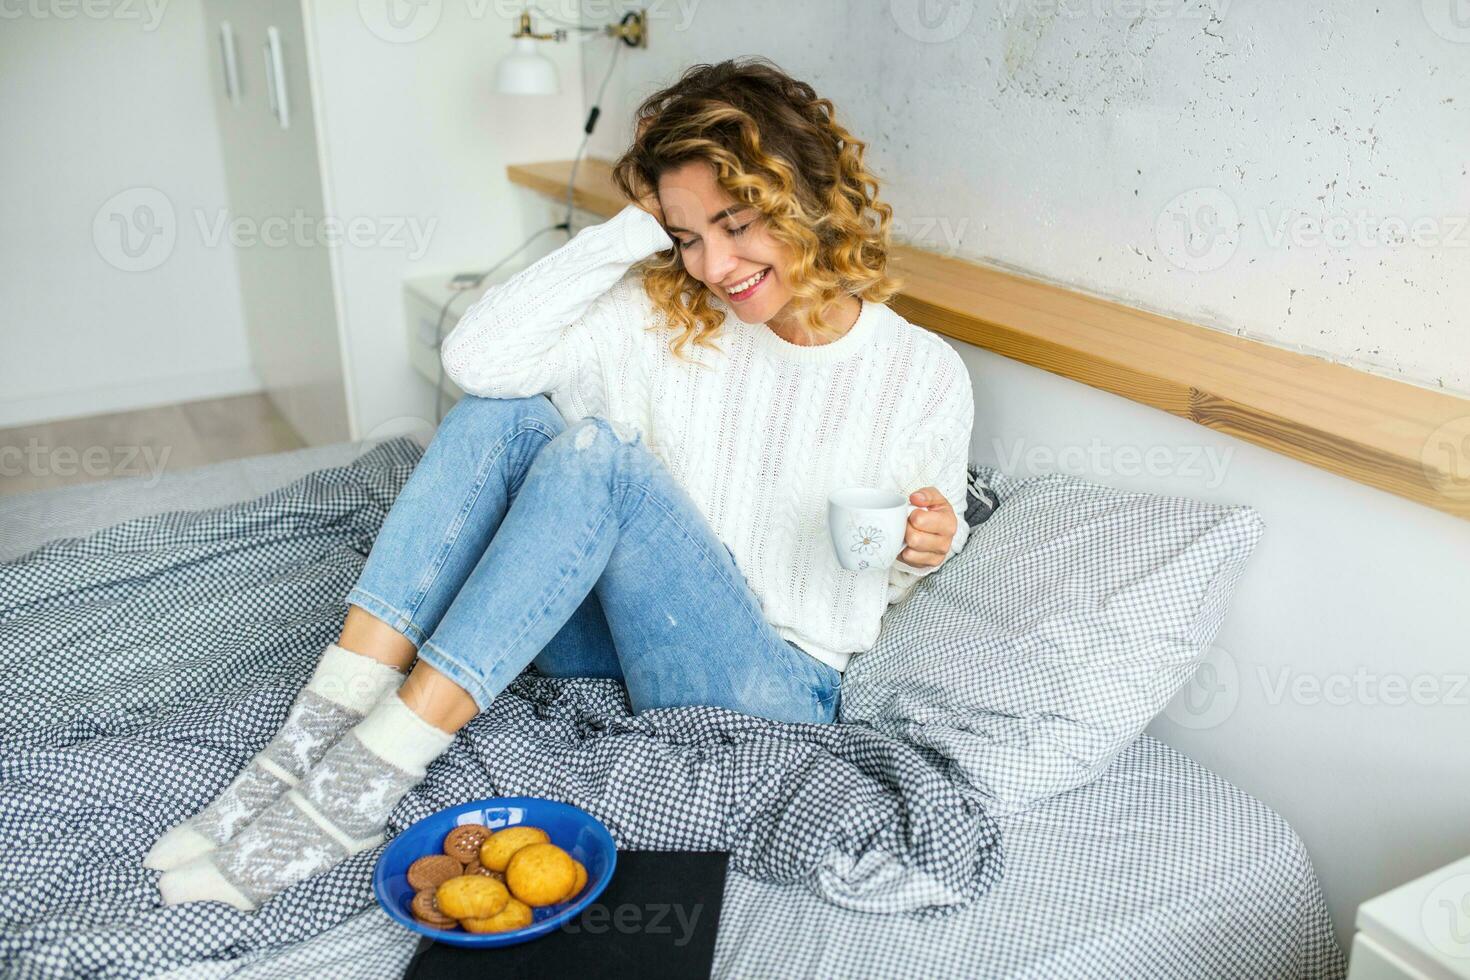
760	441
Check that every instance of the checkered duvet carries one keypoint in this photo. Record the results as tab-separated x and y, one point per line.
1158	869
148	661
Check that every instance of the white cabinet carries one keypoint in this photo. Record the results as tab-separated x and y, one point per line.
429	320
424	300
276	221
1418	931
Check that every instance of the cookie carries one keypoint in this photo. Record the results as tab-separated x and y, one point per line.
540	874
496	852
432	871
426	910
476	868
579	884
515	915
471	897
463	842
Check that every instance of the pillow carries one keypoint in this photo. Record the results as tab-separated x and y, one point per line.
1045	646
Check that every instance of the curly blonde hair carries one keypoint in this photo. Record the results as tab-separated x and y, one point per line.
774	145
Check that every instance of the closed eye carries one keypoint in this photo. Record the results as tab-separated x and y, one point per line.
734	232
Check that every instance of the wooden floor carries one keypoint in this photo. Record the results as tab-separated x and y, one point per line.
147	442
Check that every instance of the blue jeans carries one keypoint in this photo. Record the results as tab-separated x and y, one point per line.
520	538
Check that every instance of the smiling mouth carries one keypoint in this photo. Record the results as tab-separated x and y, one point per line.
750	290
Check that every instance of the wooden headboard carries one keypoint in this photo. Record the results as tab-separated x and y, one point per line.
1411	441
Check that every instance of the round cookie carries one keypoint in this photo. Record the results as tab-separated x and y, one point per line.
496	852
463	842
476	868
540	874
515	915
579	884
472	897
426	910
432	871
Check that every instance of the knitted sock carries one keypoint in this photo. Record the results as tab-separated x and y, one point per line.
341	808
343	688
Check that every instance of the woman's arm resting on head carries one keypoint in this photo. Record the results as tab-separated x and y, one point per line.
533	333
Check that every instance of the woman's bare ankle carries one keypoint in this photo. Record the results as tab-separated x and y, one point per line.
365	634
437	699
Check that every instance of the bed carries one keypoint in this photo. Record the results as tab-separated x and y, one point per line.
1158	868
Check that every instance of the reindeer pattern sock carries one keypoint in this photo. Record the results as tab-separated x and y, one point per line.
343	688
341	808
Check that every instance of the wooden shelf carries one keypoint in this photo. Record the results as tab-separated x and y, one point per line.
1411	441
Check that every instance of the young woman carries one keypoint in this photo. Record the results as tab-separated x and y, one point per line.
635	485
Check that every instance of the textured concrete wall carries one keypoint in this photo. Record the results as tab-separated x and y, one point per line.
1294	172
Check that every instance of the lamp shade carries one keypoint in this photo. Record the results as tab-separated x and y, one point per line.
526	72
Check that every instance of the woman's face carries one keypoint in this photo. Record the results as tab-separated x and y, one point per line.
722	242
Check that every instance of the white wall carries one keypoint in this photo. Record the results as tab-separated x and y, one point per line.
1053	136
416	145
105	116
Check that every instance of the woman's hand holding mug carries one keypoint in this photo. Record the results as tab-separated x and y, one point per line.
931	529
871	528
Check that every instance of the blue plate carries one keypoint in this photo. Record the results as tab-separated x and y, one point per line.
574	830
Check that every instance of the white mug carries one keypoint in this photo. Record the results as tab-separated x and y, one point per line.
867	526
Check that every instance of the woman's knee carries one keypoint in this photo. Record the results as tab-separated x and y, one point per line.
593	443
474	417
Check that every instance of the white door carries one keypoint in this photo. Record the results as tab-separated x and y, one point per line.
277	231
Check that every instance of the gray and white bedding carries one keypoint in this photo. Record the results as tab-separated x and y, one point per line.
1160	868
148	662
152	659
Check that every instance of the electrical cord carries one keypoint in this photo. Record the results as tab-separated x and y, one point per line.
557	20
465	283
587	131
444	311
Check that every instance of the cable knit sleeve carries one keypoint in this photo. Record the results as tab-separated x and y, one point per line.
935	451
554	327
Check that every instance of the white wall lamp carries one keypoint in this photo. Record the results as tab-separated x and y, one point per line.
525	71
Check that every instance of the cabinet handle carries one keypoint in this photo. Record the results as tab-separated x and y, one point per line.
275	77
227	59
